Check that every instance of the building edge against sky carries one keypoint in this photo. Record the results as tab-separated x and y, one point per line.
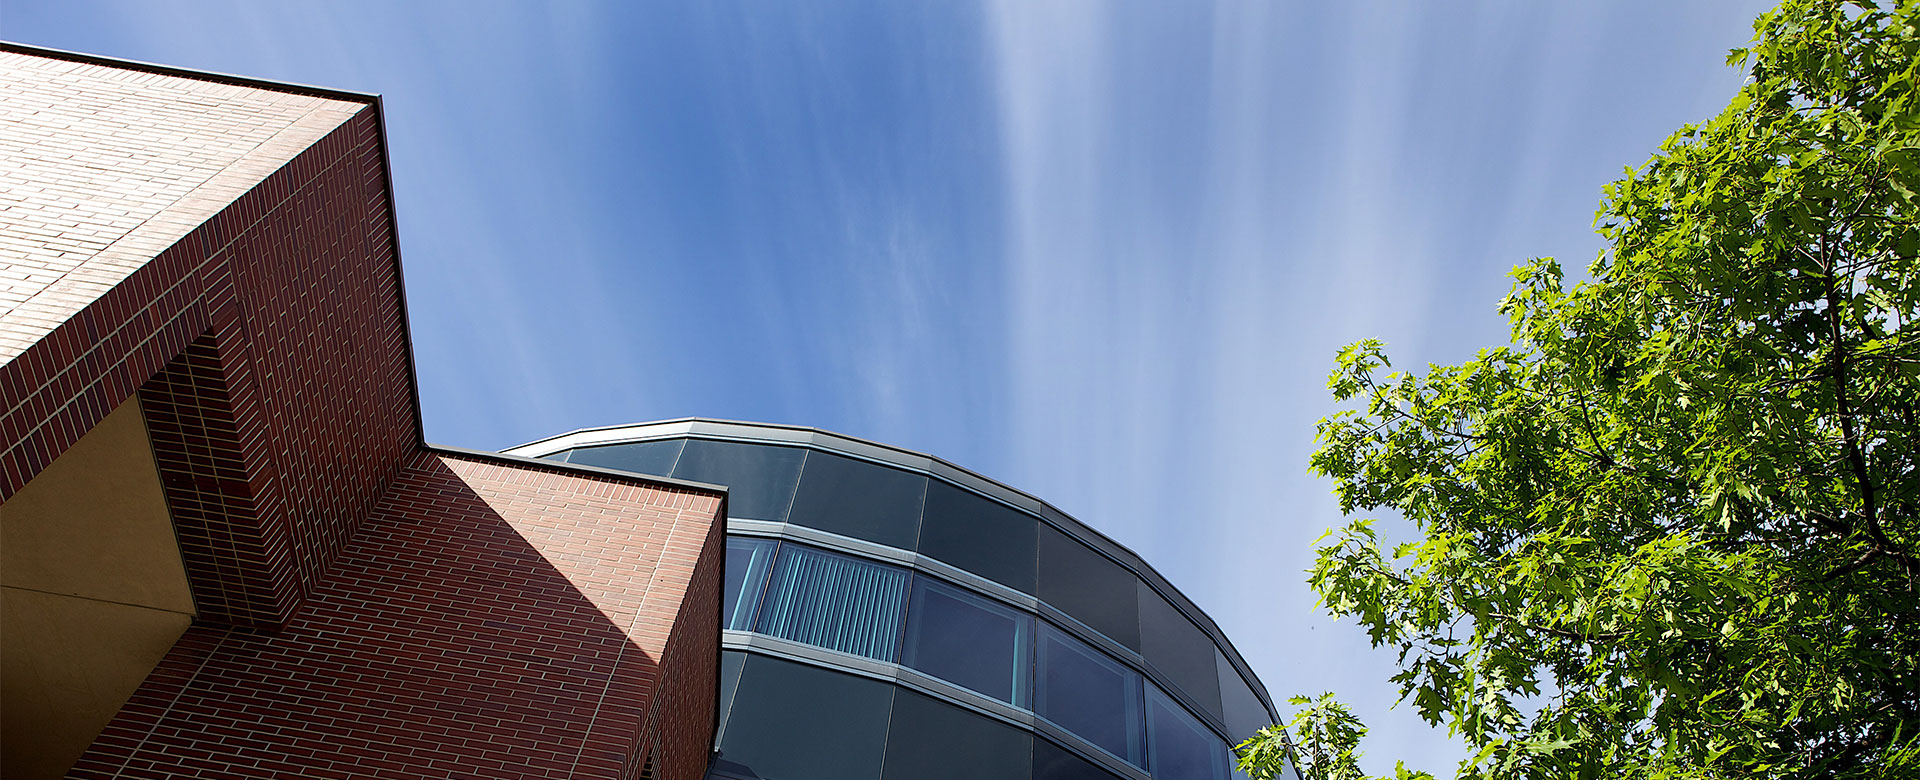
1043	580
227	549
227	545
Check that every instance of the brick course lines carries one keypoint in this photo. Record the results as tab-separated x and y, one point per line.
490	619
109	166
290	294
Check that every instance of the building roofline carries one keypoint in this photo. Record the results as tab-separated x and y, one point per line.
578	468
1145	570
370	99
189	73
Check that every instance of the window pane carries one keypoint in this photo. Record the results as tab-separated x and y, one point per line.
1244	712
559	456
730	663
1087	693
835	601
968	641
640	457
759	479
1177	648
1085	584
794	721
1052	762
933	740
1181	748
979	535
748	560
859	499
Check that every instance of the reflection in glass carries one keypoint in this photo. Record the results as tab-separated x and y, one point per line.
748	560
929	739
1244	712
835	601
968	641
640	457
795	721
1178	649
1088	586
759	478
859	499
1181	748
1052	762
985	537
1086	693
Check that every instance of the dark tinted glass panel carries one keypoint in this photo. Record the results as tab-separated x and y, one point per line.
1090	587
1052	762
748	561
797	722
835	601
1179	649
969	641
1244	712
859	499
730	663
1180	747
559	456
932	740
1084	692
759	479
979	535
641	457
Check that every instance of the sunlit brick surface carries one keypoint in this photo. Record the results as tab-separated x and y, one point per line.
490	620
106	167
366	606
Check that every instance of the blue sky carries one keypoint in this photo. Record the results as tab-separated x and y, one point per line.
1103	252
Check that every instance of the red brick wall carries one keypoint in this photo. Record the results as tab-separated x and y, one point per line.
678	736
490	619
299	367
277	429
367	607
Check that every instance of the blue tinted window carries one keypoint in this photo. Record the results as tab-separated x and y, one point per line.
1089	586
1181	748
748	561
640	457
859	499
1178	649
1084	692
730	663
835	601
1052	762
759	479
1244	712
932	740
979	535
792	721
968	641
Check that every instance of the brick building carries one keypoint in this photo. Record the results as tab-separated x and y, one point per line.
227	550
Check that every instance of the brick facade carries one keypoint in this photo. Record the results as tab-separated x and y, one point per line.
490	619
367	605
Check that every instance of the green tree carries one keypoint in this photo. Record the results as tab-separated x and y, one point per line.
1672	530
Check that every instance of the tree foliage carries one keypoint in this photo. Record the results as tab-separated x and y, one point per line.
1672	530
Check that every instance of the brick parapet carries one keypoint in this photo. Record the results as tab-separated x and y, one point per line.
290	296
489	620
368	606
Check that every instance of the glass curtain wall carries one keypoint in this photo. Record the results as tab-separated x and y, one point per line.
747	562
886	613
969	641
834	601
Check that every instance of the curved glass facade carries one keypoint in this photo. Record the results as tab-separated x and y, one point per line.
889	615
